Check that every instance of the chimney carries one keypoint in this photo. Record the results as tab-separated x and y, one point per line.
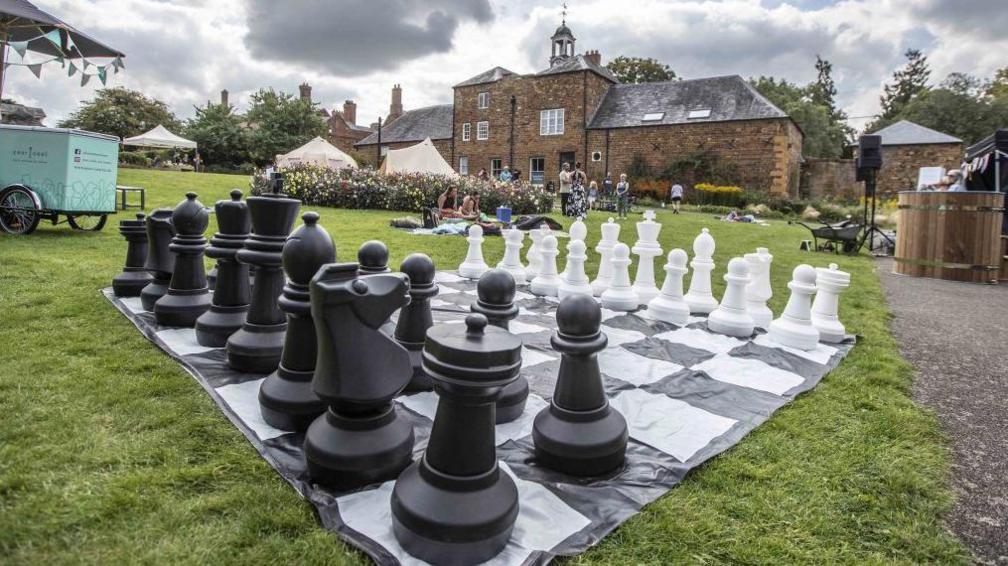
594	56
224	97
395	109
349	112
305	89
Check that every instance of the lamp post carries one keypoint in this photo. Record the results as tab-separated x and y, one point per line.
379	141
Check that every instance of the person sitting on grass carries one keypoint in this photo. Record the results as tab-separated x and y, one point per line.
447	203
470	206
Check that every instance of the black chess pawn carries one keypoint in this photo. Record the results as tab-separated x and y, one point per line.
231	291
211	276
455	505
373	257
360	439
160	259
495	294
415	318
257	346
579	433
188	296
286	398
133	277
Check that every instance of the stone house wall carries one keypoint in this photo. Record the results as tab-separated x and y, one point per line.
823	177
900	164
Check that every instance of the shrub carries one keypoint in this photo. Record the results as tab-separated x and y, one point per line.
133	158
649	189
721	195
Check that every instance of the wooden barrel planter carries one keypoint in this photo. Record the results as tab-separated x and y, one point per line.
954	236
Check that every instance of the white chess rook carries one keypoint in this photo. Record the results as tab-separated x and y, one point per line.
731	317
794	327
610	237
514	239
759	291
574	281
699	297
620	295
578	231
546	283
532	256
826	305
669	305
474	266
646	249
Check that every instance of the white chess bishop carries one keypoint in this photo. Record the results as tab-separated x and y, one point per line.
574	281
699	297
794	326
669	305
620	295
610	237
732	317
474	266
826	305
546	283
514	239
578	231
532	256
646	249
758	292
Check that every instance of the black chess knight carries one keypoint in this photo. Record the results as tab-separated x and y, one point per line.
188	296
495	294
133	277
415	318
231	289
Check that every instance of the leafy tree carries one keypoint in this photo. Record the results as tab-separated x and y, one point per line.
907	82
961	113
825	136
280	122
823	90
640	70
121	112
219	132
997	89
962	83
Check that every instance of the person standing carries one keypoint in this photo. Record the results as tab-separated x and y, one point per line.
592	195
482	175
577	202
675	194
565	186
505	174
622	196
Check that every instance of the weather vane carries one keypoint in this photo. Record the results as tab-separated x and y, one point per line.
564	20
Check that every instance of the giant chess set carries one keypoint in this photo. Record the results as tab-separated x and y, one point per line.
503	415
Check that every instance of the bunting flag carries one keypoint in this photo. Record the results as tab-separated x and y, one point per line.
73	69
20	46
101	75
84	79
36	69
54	38
70	45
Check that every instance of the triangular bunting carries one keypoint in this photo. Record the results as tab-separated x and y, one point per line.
36	69
85	65
54	38
73	69
20	46
69	44
84	79
101	75
119	63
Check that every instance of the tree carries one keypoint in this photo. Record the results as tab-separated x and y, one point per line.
970	117
219	132
823	90
997	89
121	112
825	136
280	122
907	82
640	70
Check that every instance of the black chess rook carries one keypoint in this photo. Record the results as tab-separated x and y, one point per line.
133	277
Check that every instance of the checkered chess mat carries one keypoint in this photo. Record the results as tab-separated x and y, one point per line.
687	395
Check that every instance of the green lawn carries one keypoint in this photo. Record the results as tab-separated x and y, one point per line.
110	453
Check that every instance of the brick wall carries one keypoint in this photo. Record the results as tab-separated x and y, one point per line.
342	136
900	163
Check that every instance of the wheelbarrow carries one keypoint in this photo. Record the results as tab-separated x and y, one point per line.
841	236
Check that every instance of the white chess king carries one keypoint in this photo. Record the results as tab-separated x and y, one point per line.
646	249
474	266
826	305
758	292
546	283
731	317
794	327
514	239
699	297
620	295
610	237
669	305
574	281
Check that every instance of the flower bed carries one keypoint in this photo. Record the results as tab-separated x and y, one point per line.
721	195
367	188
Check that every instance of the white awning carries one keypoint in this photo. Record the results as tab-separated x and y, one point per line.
160	137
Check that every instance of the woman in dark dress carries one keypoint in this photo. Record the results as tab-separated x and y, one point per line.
577	204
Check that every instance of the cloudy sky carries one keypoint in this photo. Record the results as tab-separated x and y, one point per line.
185	51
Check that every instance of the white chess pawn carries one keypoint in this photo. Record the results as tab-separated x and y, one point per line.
474	265
545	284
610	237
620	295
731	317
646	249
669	305
794	327
759	291
574	281
826	305
514	239
699	297
578	231
532	255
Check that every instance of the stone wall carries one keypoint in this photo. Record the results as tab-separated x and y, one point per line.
821	177
900	164
342	136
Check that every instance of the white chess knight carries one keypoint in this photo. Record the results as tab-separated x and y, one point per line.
669	305
474	266
546	283
794	327
574	281
646	249
514	239
578	231
620	295
699	297
732	317
759	291
610	237
826	305
532	255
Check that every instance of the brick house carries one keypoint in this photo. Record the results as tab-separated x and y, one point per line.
576	111
906	147
343	129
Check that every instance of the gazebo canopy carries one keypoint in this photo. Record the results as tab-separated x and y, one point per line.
319	152
160	137
420	158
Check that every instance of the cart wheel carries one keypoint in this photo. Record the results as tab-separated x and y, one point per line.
18	211
89	222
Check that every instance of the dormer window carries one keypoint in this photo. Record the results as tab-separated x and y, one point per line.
698	114
653	117
483	100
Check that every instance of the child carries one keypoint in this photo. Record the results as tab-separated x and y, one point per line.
622	196
676	193
592	195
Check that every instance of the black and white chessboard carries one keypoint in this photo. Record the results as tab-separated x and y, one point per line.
687	395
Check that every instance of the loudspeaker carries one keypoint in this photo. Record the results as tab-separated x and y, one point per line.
869	152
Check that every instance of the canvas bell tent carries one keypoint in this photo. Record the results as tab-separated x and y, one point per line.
317	152
420	158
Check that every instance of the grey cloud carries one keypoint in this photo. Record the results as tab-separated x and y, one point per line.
356	37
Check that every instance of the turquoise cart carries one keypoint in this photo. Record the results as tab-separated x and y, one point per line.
49	172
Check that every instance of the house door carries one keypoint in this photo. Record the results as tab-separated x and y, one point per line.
567	157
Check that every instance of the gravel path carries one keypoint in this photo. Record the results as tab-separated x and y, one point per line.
956	335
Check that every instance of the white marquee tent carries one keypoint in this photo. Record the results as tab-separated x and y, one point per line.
319	152
160	137
420	158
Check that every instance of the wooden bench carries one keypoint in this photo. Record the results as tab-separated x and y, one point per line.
125	190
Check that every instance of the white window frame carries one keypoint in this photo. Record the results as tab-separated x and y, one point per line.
483	100
551	122
482	130
495	174
466	131
533	170
463	165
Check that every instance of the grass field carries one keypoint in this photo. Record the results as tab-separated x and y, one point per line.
110	453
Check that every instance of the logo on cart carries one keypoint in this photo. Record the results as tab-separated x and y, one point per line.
30	155
77	157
